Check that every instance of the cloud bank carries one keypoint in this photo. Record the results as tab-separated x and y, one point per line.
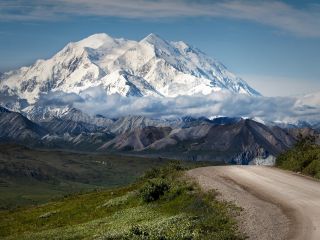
299	21
285	109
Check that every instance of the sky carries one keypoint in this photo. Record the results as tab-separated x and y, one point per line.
273	45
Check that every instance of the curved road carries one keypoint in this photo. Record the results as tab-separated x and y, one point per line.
279	204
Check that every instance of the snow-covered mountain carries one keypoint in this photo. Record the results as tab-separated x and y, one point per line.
150	67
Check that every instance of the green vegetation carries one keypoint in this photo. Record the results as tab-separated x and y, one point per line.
304	157
154	189
29	177
162	204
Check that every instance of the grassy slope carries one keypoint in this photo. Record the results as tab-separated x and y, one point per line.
182	212
32	176
304	157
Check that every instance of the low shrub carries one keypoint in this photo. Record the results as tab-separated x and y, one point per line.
154	189
152	173
313	169
303	157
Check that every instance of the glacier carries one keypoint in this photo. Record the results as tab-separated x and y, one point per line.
150	67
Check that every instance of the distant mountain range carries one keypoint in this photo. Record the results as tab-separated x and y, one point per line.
152	67
222	139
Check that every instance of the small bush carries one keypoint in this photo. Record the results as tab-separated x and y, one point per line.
163	172
154	189
175	166
179	188
303	157
313	169
138	231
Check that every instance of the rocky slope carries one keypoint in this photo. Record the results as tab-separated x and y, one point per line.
233	140
242	142
14	127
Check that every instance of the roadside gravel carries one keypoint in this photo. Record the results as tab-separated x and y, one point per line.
261	218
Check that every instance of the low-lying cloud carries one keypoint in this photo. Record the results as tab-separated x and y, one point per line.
96	101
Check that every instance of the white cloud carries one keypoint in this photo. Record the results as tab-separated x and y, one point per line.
303	22
95	101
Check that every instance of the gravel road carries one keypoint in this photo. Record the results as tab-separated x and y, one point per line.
276	204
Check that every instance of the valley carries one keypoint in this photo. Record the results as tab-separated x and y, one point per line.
29	176
162	204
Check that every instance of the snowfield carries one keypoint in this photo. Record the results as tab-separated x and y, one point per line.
150	67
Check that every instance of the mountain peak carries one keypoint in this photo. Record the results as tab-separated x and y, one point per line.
96	40
153	38
151	67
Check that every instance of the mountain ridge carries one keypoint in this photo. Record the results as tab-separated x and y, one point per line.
233	140
149	67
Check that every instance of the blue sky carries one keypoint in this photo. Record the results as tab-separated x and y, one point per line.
273	45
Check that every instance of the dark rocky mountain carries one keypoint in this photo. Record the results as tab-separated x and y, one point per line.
128	123
85	142
14	127
60	126
72	121
77	115
232	140
137	139
225	120
242	142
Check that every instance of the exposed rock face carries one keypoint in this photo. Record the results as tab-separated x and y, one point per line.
14	127
234	140
243	142
137	139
